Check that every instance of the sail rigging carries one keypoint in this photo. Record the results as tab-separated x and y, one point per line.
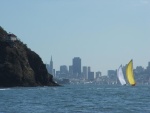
130	74
121	76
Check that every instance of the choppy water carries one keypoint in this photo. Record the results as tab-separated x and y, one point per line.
87	98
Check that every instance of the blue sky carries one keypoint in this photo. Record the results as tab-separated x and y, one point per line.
103	33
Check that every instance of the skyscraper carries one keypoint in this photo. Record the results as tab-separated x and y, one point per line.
76	66
89	69
51	66
91	76
64	71
85	72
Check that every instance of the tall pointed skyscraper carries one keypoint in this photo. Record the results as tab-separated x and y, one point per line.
51	66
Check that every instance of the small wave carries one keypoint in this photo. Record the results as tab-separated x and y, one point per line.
4	88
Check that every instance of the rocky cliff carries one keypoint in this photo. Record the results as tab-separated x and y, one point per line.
20	66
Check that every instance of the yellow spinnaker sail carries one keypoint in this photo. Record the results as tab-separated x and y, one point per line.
129	73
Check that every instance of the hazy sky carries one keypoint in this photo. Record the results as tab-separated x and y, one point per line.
103	33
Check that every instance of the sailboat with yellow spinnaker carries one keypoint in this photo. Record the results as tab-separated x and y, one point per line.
130	74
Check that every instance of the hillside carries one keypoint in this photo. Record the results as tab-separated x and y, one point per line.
19	65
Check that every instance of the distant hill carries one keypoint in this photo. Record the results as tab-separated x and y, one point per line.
19	65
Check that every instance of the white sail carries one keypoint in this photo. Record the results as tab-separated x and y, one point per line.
120	76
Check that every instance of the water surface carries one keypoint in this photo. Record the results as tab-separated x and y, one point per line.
88	98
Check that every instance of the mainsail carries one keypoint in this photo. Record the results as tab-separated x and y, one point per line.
121	76
129	73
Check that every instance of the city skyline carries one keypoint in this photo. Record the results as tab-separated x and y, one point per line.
88	67
77	73
105	34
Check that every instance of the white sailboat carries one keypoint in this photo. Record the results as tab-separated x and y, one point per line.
121	76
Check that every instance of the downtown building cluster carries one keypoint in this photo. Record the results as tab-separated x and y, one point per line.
74	71
83	73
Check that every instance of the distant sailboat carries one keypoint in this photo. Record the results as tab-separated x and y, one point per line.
121	76
130	74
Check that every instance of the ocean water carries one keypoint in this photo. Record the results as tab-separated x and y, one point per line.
81	98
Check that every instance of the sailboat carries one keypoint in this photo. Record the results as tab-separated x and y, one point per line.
130	74
121	76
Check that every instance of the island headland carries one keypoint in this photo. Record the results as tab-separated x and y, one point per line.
19	65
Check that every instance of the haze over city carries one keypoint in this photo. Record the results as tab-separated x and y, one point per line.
103	33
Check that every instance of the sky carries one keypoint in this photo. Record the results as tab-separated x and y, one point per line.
103	33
